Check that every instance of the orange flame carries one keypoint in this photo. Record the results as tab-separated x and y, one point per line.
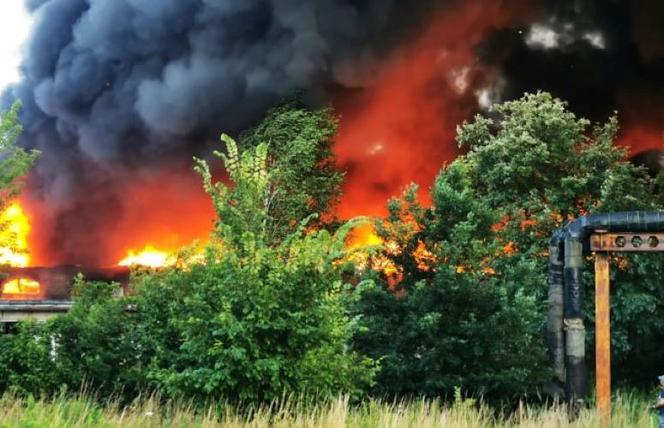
510	248
149	256
363	236
14	230
402	129
20	288
425	259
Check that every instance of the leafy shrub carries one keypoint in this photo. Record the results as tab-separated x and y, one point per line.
473	313
257	319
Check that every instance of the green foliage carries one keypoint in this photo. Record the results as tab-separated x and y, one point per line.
452	324
240	211
459	330
476	318
93	344
26	366
258	319
14	160
89	346
265	314
541	166
304	179
459	306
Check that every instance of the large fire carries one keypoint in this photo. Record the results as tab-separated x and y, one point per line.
402	129
14	252
21	288
14	230
363	236
165	208
148	257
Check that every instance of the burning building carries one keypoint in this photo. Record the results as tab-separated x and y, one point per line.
40	292
119	95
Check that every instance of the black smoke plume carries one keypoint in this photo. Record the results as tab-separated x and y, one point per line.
112	87
116	90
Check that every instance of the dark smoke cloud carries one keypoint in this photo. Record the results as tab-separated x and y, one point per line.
101	70
115	89
115	86
600	55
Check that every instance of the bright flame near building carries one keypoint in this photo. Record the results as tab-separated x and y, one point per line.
14	230
149	256
23	287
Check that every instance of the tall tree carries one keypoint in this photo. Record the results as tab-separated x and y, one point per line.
475	316
304	177
260	318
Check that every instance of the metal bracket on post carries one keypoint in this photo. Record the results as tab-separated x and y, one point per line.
627	242
602	243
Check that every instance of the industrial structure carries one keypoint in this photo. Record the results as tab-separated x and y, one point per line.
600	234
43	292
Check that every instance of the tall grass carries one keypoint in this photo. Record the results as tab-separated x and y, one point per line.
82	411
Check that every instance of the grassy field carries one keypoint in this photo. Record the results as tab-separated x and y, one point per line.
83	412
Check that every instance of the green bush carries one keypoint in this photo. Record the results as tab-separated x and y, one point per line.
263	315
257	319
26	365
475	316
304	177
456	298
94	344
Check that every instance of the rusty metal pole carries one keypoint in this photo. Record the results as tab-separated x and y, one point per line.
602	337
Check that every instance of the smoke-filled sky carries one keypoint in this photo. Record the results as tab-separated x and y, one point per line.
119	94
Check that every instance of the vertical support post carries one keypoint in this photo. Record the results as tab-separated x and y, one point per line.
555	334
575	331
602	337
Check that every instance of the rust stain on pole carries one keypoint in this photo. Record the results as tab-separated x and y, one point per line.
602	336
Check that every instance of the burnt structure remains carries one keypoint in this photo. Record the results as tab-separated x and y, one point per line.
54	293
